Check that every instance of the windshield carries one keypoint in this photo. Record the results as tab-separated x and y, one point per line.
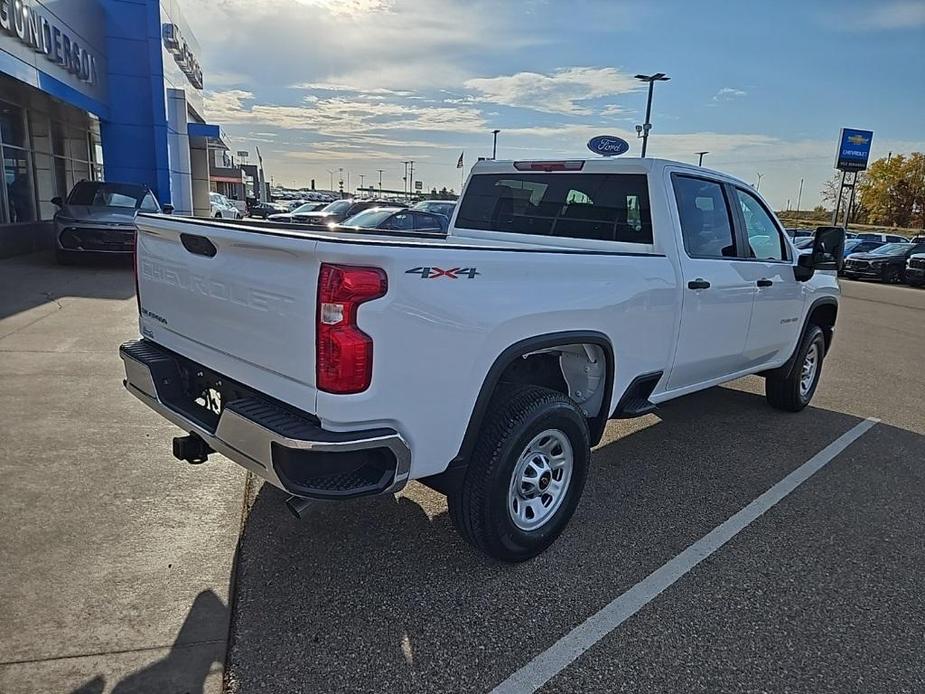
306	207
890	249
98	194
338	207
438	206
369	219
804	242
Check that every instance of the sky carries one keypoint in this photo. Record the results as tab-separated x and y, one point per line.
764	87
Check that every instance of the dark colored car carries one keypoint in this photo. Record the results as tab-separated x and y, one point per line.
915	270
298	214
878	236
99	218
797	233
444	207
337	211
887	263
858	246
396	219
262	210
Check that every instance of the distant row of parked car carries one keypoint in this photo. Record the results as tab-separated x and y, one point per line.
878	256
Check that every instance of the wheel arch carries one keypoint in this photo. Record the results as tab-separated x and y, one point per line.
523	348
823	312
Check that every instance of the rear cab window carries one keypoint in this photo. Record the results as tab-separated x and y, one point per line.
604	207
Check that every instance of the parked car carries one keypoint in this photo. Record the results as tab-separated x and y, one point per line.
534	329
444	207
262	210
395	219
298	214
886	263
918	239
99	217
915	269
885	238
221	208
798	232
337	211
857	246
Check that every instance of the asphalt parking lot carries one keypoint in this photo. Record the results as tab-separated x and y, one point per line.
122	558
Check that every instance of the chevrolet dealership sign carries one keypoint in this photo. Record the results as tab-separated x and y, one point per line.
853	149
33	29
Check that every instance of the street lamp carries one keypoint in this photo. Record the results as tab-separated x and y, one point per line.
404	179
494	144
380	181
332	172
758	182
700	161
643	130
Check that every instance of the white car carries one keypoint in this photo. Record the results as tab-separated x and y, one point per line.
222	208
486	363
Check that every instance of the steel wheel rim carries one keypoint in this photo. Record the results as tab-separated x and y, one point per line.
809	370
540	480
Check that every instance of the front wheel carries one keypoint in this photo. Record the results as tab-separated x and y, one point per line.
892	275
793	392
526	475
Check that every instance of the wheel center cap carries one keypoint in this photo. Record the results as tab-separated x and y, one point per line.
544	481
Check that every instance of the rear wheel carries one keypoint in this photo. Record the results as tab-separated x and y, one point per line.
794	391
525	476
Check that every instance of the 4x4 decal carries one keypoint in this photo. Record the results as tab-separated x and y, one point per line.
435	272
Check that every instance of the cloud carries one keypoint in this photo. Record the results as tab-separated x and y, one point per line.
558	92
728	94
895	15
340	116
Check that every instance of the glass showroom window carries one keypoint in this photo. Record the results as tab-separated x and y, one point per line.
17	199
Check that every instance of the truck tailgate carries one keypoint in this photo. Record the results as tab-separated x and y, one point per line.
236	300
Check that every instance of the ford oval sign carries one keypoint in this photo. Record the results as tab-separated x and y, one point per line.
608	145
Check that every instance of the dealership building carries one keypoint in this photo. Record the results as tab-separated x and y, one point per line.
98	90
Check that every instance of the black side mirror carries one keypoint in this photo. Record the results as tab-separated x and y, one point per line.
167	208
828	253
57	201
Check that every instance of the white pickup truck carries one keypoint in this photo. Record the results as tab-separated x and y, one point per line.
484	362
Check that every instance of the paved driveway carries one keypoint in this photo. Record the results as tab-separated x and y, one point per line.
115	558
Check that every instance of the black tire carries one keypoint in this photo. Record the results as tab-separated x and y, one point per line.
479	505
63	257
892	275
785	392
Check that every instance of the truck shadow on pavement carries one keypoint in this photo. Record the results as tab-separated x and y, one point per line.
32	280
380	594
185	667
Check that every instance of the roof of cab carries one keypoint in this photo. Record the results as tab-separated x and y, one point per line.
647	165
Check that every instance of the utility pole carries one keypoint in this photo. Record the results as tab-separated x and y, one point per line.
411	180
494	144
405	179
700	161
643	130
758	183
332	171
380	182
800	195
362	176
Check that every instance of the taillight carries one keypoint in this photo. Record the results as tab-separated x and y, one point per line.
571	165
344	355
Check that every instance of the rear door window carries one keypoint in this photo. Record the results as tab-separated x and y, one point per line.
605	207
706	227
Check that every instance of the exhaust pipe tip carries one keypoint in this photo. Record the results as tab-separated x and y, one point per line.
298	506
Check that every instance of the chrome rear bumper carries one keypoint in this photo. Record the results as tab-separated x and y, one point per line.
282	445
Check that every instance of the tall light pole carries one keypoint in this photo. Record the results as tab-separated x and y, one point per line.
494	144
411	177
700	161
340	180
644	129
380	181
332	172
362	176
758	182
800	195
404	178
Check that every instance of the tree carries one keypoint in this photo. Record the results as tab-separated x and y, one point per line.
893	191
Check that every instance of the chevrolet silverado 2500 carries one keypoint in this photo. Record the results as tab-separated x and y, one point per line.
484	363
